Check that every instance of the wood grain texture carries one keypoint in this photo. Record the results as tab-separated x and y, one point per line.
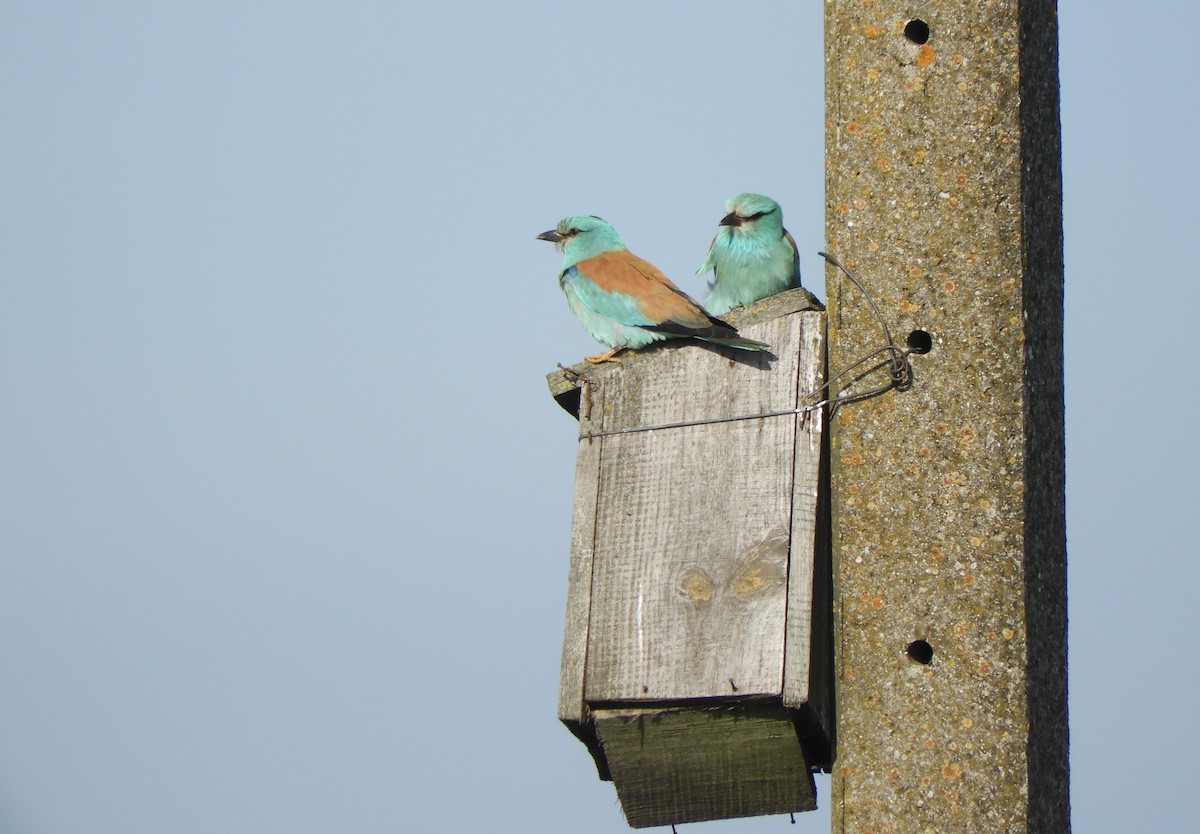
571	706
687	765
809	446
689	593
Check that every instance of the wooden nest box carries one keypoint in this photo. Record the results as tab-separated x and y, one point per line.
696	659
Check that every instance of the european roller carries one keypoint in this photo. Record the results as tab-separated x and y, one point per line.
752	255
624	301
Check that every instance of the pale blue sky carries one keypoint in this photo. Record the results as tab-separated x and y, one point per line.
284	503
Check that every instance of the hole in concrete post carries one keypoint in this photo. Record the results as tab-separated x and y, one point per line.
919	342
917	31
920	651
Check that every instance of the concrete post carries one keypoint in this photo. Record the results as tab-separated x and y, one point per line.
943	196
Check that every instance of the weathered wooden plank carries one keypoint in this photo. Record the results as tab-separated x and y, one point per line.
686	765
809	432
696	608
689	592
572	710
579	583
816	708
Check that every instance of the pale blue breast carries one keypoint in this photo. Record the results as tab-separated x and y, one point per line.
746	272
587	301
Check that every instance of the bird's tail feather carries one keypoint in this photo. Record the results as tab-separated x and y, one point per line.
741	344
718	332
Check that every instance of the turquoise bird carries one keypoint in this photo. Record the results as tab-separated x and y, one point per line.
624	301
752	255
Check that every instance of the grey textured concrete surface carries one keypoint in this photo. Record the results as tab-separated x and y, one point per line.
944	197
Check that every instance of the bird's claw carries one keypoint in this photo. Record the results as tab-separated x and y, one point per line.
607	356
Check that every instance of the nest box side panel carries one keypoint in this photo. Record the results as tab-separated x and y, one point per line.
805	549
579	588
689	578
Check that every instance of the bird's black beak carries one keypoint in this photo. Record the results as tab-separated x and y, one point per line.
553	236
731	219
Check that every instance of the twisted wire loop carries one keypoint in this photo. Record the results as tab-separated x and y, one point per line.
889	356
899	368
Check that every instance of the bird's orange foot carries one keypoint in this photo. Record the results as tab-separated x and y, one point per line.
608	356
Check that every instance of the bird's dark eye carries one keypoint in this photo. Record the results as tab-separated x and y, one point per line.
755	216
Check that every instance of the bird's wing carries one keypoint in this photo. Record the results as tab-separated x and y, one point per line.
634	292
709	263
795	252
